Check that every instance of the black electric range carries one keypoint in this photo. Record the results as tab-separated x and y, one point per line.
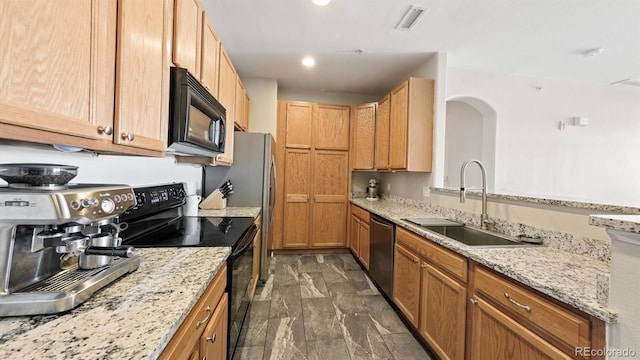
157	221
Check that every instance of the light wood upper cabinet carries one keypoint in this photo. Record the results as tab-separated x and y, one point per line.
382	134
142	74
187	35
242	106
58	59
210	56
363	130
227	81
298	123
411	125
332	127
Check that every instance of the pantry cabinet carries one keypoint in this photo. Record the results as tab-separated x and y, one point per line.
363	132
204	331
360	239
316	174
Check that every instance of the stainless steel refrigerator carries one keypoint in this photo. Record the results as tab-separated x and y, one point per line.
253	175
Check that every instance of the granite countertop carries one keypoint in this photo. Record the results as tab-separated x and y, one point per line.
133	318
564	276
629	223
232	212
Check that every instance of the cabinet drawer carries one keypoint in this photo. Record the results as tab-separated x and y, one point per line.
536	311
195	323
445	259
360	213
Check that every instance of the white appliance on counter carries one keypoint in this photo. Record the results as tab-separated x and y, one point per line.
253	175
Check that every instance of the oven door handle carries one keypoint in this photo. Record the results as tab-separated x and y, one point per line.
245	242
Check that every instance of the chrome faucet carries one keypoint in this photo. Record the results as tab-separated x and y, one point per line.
484	218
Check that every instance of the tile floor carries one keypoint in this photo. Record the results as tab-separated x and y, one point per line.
323	307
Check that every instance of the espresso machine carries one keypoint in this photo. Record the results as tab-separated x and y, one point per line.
59	242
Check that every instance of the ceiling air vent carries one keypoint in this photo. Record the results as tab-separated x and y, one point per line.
630	82
411	17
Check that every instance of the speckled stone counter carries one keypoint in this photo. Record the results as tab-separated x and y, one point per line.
630	223
133	318
562	275
232	212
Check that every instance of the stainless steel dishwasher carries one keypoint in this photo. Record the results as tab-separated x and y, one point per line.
381	255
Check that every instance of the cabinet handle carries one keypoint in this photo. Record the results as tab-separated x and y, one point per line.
526	307
200	323
414	260
423	265
212	338
126	136
473	301
107	130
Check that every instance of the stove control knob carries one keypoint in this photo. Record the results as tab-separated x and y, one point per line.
107	206
75	205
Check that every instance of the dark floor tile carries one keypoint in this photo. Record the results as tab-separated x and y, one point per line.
330	259
335	349
308	264
383	316
405	346
285	301
312	285
349	262
348	304
288	259
320	319
286	274
333	273
254	329
249	353
285	339
362	339
264	292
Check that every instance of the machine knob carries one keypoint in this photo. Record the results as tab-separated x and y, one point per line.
85	203
75	204
95	202
108	206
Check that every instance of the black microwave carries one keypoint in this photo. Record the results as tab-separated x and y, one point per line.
196	119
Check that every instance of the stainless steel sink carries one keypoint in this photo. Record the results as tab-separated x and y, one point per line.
468	235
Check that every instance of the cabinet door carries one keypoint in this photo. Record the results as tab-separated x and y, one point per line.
364	123
331	127
213	342
406	283
142	74
299	125
210	56
382	134
443	313
241	116
257	247
364	238
187	25
398	127
494	335
354	242
330	198
227	97
297	197
57	67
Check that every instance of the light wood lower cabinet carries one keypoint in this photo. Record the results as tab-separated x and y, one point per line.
406	283
204	331
257	247
360	239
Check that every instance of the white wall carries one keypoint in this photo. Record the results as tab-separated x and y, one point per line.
107	169
263	105
535	158
463	141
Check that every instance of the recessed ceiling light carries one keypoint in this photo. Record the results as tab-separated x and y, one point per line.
308	61
321	2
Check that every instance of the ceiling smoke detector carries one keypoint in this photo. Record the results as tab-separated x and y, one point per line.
411	17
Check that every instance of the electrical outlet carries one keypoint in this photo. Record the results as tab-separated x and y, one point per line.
425	191
388	187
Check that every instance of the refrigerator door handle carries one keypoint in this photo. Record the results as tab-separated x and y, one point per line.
275	189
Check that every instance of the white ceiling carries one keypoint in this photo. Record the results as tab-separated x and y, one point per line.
268	38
